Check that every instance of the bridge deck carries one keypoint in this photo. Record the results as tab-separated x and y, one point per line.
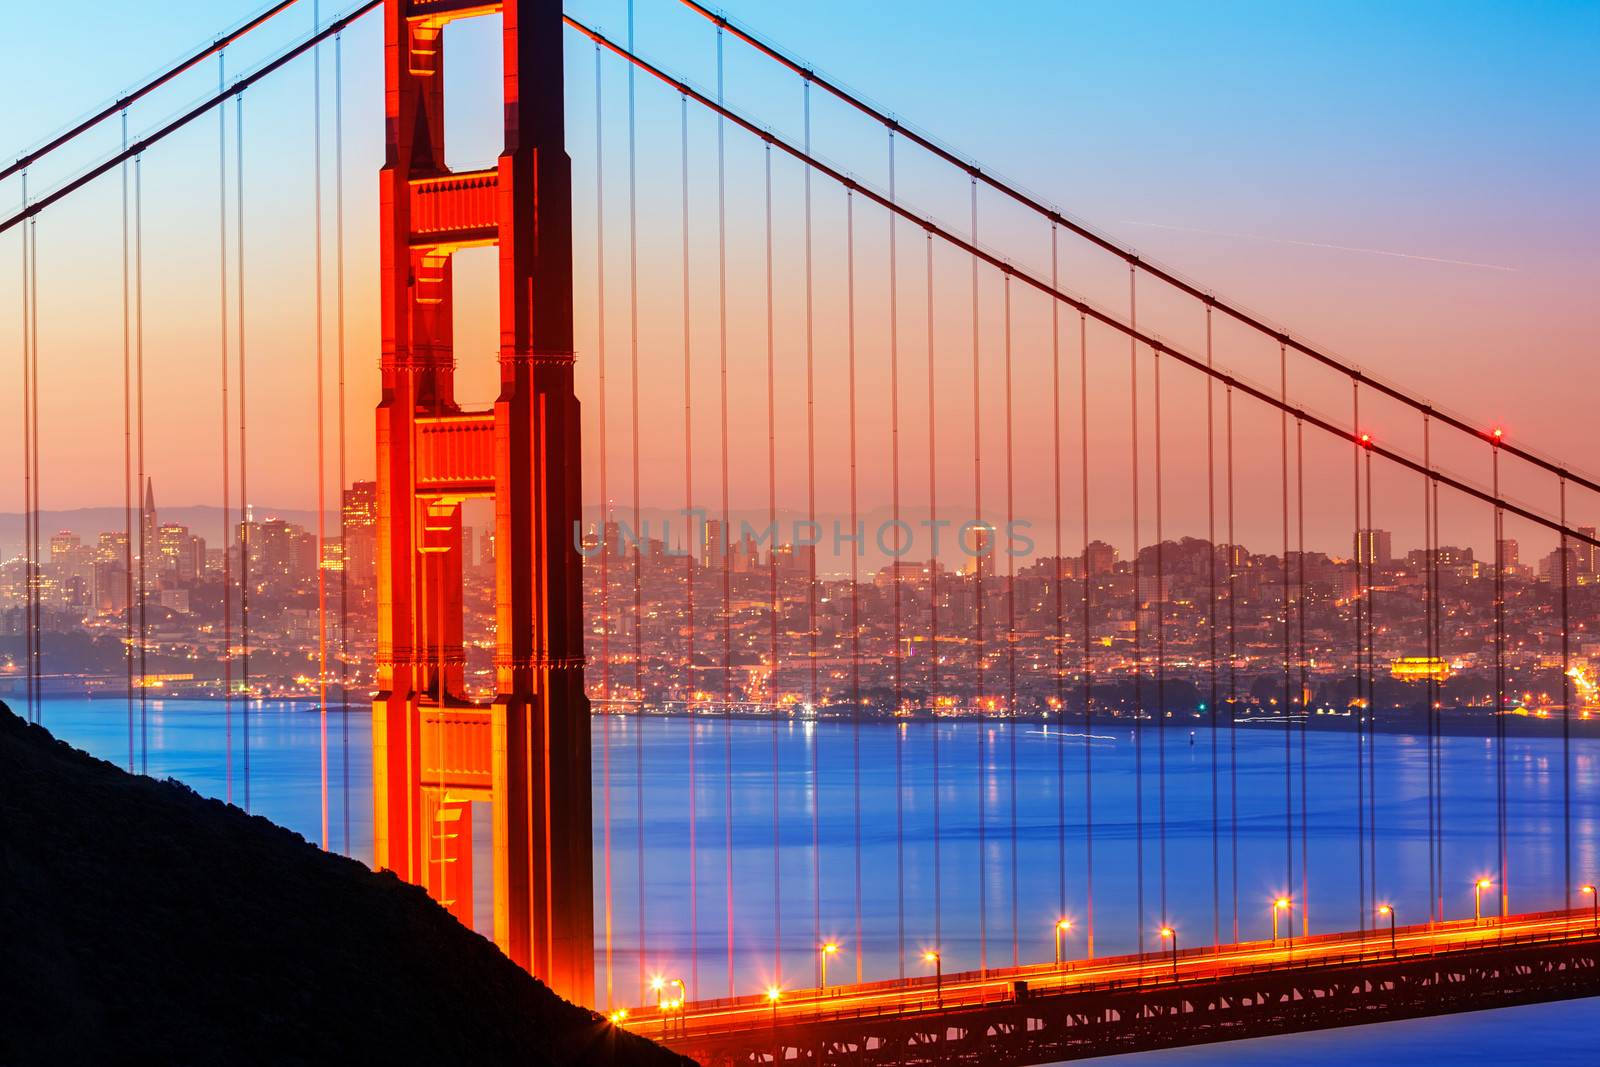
1096	1007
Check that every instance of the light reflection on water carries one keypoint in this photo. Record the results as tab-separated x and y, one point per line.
188	741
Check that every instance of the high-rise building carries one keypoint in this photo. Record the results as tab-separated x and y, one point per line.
1508	554
1099	558
149	545
1375	547
359	515
980	562
713	544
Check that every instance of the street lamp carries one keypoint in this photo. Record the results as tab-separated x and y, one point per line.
1062	926
679	1003
1387	911
1594	905
1169	934
1281	904
1477	898
618	1017
774	994
827	949
930	956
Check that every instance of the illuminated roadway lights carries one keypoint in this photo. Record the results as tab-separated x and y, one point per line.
1594	904
1477	898
1281	904
826	949
774	994
1387	911
930	956
618	1017
1169	934
1062	926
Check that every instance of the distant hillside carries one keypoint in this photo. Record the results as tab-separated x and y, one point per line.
140	922
204	520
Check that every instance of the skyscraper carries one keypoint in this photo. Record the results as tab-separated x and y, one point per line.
1375	547
360	526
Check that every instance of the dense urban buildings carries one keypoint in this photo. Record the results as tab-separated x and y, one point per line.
1185	624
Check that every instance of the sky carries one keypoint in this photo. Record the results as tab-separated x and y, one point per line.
1409	186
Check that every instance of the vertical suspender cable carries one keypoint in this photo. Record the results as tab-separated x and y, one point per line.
35	581
322	494
895	571
1439	739
244	495
27	465
1086	668
638	517
1567	719
810	551
127	450
600	369
1305	711
344	543
1364	546
725	549
1138	640
1011	637
227	490
1566	711
1499	678
933	606
1161	639
688	558
772	580
1432	655
141	484
978	613
1060	592
1372	697
1283	606
606	548
855	557
1211	635
1233	670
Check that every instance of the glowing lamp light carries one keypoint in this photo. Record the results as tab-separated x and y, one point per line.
1166	932
774	994
1385	910
618	1016
930	956
1063	924
657	984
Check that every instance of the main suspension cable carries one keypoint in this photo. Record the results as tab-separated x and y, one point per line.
227	491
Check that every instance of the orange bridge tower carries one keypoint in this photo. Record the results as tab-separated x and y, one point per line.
435	753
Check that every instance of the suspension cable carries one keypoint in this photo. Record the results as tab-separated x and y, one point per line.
978	612
1283	606
344	542
1566	711
895	571
127	451
322	459
1132	258
1429	607
1211	635
1060	595
933	603
1087	667
244	493
1138	609
1011	636
1372	696
772	579
1305	712
227	492
688	558
142	486
855	558
1365	546
27	465
1500	680
1233	669
1266	397
638	512
1161	641
810	550
725	549
606	548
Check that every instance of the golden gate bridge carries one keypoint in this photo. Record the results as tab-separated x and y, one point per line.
938	356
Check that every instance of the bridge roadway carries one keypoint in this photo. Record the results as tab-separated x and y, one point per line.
1085	1008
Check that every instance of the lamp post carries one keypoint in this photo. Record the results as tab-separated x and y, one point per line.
1477	899
1281	904
1387	911
679	1002
828	948
1169	934
1062	926
930	956
774	994
1594	905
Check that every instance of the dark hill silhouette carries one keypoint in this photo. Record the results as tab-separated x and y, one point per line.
143	923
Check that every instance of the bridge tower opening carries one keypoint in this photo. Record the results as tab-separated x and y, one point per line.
435	752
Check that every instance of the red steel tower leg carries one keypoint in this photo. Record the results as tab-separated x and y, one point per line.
526	752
